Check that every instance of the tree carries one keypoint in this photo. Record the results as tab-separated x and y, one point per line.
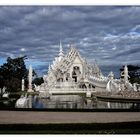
134	73
12	72
38	81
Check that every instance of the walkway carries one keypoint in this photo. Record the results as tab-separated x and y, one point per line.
26	117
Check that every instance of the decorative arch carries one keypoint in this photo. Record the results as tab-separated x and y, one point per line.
76	73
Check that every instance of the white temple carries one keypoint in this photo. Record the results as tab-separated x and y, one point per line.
72	74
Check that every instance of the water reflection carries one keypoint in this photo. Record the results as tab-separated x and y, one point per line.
79	102
37	103
70	102
7	103
64	101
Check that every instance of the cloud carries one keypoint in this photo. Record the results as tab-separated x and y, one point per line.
128	52
22	49
109	34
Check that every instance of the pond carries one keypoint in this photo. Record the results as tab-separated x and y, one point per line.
71	102
80	102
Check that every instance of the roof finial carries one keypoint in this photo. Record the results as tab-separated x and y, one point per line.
60	49
49	67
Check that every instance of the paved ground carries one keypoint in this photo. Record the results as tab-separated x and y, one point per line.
25	117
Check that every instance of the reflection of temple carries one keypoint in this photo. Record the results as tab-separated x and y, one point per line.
71	73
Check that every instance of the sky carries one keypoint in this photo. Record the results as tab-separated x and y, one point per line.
108	34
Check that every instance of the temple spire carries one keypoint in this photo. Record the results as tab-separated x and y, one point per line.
61	54
30	79
49	67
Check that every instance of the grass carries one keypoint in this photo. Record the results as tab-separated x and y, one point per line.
24	93
118	99
80	94
17	95
72	128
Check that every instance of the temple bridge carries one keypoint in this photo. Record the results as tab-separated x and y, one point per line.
70	90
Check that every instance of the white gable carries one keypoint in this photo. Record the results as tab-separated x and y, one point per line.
77	60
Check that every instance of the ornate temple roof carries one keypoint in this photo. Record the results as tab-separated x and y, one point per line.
63	62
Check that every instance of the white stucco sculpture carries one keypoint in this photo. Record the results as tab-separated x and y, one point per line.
30	79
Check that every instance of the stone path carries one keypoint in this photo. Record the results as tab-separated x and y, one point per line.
26	117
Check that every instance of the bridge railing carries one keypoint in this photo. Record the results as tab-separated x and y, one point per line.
72	89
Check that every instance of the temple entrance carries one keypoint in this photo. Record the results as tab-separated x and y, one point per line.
67	76
60	76
75	73
60	80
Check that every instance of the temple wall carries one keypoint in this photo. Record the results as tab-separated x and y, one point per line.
100	89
